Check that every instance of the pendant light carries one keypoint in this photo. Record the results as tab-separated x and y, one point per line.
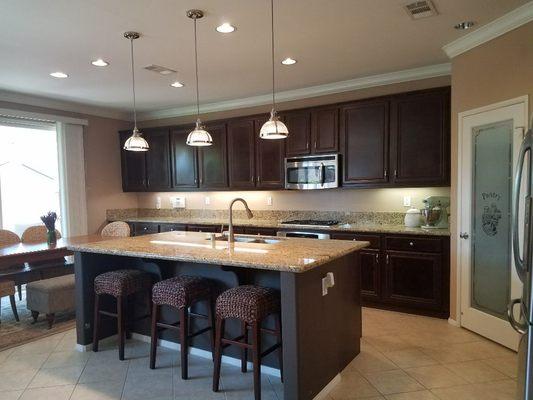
273	128
198	136
135	142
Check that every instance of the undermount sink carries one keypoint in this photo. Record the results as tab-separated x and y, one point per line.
247	239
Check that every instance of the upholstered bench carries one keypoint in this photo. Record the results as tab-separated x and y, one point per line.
50	296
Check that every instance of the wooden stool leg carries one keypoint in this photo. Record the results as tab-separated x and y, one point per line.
153	344
256	350
50	318
34	315
244	350
14	307
211	317
280	349
19	290
184	342
95	323
219	333
121	326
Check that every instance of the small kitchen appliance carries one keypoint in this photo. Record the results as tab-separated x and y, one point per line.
312	172
412	218
435	212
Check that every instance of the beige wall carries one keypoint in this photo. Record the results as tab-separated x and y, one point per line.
497	70
102	163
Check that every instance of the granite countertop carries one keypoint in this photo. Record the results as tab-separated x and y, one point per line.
287	255
265	223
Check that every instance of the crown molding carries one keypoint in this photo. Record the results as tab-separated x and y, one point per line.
512	20
412	74
61	105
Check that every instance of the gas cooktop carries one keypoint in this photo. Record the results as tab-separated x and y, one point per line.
311	222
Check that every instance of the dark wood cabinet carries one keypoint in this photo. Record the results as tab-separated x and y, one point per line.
241	154
144	228
172	227
270	159
365	142
299	126
212	160
325	130
255	230
203	228
420	138
133	167
158	167
370	274
184	160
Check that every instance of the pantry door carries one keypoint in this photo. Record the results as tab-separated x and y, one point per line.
489	141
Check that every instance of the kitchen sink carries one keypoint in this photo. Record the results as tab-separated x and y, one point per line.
248	239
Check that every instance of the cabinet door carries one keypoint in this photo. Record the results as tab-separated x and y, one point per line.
133	167
254	230
370	283
420	138
158	176
269	156
213	159
203	228
184	160
145	228
365	140
299	125
414	279
325	130
172	227
241	154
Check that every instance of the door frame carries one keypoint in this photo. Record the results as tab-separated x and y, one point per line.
456	240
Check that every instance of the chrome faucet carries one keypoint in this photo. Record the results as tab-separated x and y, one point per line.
231	236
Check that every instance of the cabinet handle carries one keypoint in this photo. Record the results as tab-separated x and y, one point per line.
253	179
385	173
315	145
396	173
258	179
307	145
463	235
195	180
411	244
145	228
387	259
377	258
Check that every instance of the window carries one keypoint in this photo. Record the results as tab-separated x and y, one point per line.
29	178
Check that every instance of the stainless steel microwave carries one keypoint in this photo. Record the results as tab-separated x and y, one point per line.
312	172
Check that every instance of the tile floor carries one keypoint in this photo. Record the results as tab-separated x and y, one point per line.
403	357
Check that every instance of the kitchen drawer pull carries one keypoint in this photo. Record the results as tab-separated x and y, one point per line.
377	258
387	259
411	244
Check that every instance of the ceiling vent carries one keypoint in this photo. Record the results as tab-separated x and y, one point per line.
421	9
159	69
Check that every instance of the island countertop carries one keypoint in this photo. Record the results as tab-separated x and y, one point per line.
283	254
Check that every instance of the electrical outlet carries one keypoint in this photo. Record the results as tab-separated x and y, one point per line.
177	202
407	201
207	200
269	200
158	203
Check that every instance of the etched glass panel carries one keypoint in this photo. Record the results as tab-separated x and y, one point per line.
491	214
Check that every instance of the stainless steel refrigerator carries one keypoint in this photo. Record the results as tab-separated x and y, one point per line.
523	255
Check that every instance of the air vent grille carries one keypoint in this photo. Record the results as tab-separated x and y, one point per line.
159	69
421	9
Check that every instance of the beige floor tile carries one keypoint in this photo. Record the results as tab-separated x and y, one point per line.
435	376
150	388
106	390
97	371
18	362
389	382
507	365
353	387
387	343
5	354
11	395
369	360
502	390
42	346
422	395
66	359
16	380
476	371
55	393
410	358
56	377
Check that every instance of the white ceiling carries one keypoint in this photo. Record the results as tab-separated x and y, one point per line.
333	40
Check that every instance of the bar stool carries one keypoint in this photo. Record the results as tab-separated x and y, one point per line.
251	305
119	284
181	292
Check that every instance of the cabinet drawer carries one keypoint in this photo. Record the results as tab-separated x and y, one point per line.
253	230
375	240
145	228
416	243
172	227
202	228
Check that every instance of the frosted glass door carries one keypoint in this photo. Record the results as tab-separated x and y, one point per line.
491	217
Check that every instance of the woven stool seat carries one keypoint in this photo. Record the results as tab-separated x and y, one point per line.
248	303
122	282
180	291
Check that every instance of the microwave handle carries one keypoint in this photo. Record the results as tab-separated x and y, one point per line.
322	174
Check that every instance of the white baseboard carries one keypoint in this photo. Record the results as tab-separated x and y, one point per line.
453	322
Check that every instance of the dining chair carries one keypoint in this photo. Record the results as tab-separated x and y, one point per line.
7	288
36	234
116	229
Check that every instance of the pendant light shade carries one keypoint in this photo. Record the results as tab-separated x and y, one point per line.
198	136
135	142
273	128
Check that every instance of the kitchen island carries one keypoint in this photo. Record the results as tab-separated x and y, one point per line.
321	330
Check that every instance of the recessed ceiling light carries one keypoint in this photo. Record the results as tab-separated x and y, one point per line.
177	84
289	61
99	63
464	25
225	28
59	74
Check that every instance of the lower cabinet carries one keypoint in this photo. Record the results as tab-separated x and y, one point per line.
370	274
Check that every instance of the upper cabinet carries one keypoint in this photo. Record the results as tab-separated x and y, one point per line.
270	160
365	142
184	160
312	131
241	154
158	175
133	166
212	160
420	138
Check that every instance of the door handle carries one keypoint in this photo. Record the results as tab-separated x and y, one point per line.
464	235
517	326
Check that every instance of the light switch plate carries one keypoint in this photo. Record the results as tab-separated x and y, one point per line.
269	200
158	203
207	200
407	201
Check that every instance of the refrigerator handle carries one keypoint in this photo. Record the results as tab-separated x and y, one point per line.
519	261
517	326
